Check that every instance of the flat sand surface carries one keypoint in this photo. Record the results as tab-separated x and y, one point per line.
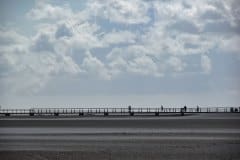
191	137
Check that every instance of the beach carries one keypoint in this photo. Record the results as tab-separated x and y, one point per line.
194	136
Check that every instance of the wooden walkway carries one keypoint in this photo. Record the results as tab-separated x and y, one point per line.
131	111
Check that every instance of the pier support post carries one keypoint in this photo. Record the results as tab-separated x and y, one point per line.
56	114
156	113
105	113
7	114
182	111
80	114
31	114
131	113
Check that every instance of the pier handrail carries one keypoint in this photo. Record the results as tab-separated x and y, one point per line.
122	110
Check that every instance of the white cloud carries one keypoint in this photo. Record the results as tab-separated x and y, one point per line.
230	44
26	67
42	43
144	66
85	35
11	37
121	11
31	71
199	13
206	64
160	41
45	11
131	61
118	37
176	64
134	41
94	67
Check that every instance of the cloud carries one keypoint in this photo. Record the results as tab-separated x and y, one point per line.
230	44
119	37
11	37
184	26
121	11
24	69
176	64
206	64
159	41
63	31
129	60
223	27
85	35
211	15
42	42
143	65
93	66
45	11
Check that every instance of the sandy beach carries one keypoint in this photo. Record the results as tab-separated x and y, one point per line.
198	136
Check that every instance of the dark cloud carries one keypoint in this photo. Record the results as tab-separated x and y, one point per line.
211	15
221	27
184	26
191	45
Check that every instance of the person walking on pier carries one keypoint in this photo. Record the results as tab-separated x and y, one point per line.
161	107
198	109
129	109
185	108
131	113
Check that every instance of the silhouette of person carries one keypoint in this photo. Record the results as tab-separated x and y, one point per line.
185	108
129	109
197	108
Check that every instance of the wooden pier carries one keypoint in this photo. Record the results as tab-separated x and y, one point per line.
127	111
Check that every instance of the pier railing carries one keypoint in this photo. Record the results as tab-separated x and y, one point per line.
116	111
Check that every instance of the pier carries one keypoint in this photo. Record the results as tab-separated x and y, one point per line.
108	111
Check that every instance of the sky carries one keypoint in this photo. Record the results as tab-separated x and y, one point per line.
59	53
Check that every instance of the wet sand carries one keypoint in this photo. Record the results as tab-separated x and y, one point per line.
199	137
